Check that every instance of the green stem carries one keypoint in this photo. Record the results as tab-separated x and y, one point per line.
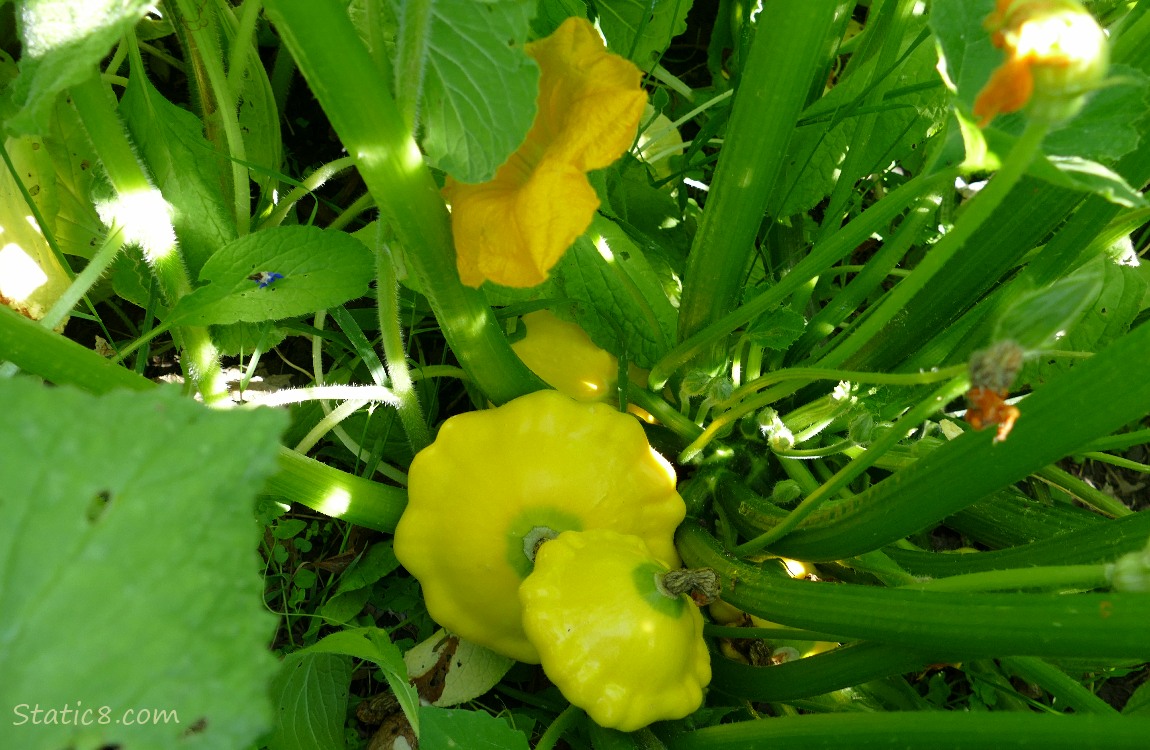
411	57
887	27
336	493
786	55
974	215
356	99
218	99
668	79
870	276
347	215
309	184
851	376
845	667
331	421
824	255
766	634
806	374
395	353
943	624
1050	577
1124	463
240	51
807	453
94	104
1084	492
561	724
1066	691
1007	730
1120	441
847	474
86	279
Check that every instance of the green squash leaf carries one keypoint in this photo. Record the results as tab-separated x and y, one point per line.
641	30
478	98
130	578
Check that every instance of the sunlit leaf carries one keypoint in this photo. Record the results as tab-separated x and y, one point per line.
63	42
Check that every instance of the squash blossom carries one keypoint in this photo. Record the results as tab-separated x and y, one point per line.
1056	53
513	229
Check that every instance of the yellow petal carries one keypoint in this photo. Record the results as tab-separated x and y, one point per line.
590	101
513	229
513	234
1008	90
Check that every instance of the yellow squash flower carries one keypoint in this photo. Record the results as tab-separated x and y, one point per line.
1055	54
513	229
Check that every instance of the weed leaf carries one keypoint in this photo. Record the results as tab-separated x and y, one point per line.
619	300
310	693
454	727
318	269
186	168
641	29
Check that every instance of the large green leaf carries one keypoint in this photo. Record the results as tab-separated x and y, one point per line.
129	580
480	87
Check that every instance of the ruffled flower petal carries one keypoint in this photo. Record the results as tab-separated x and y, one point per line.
513	234
515	228
590	101
1008	90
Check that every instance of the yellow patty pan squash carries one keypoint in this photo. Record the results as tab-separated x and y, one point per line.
613	640
497	482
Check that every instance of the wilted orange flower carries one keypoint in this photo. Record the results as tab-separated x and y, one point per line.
987	408
992	373
513	229
1055	54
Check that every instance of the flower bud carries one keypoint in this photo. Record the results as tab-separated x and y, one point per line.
1056	53
1131	572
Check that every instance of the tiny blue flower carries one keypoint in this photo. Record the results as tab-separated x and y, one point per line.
266	278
